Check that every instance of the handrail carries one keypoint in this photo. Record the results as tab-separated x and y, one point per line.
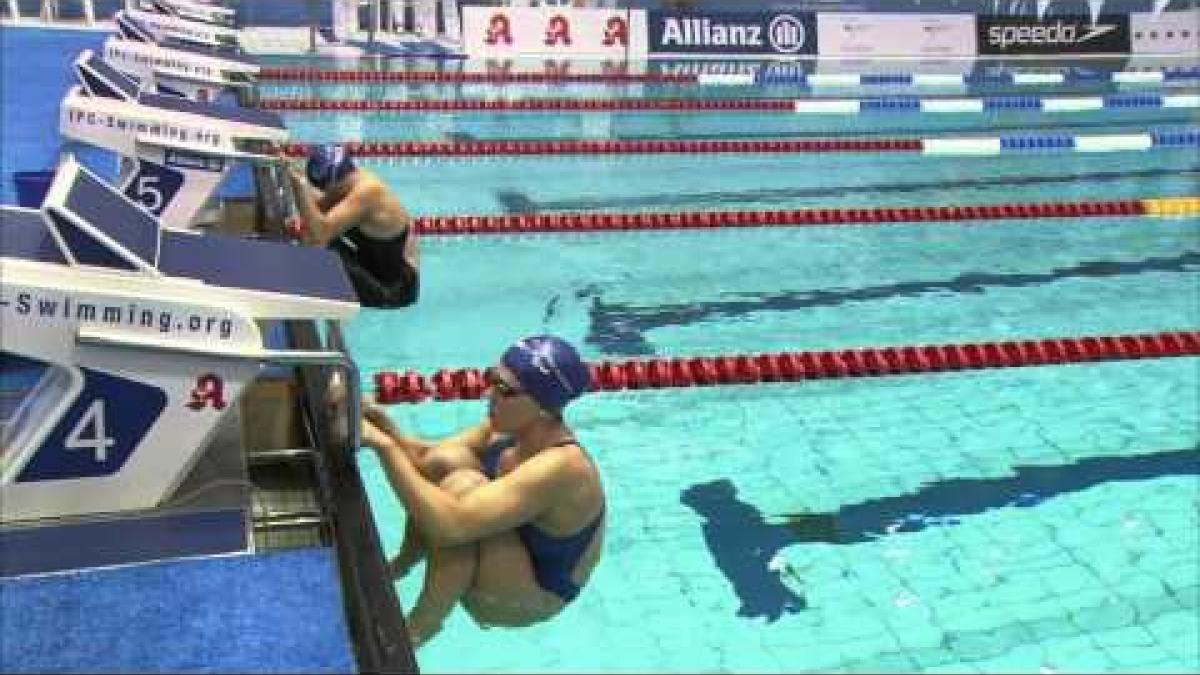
373	610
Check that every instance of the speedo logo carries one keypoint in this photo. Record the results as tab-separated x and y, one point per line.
1061	33
785	33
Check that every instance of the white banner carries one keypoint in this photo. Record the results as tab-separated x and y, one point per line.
896	35
1169	33
554	31
345	19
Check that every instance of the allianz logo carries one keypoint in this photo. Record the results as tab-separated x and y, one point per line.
1060	33
785	33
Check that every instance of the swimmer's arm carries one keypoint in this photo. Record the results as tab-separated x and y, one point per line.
323	227
415	447
301	188
475	438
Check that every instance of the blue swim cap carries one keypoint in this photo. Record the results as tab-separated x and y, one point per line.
327	164
549	370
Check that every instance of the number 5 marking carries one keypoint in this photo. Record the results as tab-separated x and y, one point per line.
149	193
98	442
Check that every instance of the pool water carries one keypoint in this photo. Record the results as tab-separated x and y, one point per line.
1025	520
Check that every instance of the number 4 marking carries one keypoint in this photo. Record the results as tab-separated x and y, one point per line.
97	442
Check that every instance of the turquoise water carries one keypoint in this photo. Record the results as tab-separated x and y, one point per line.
1027	520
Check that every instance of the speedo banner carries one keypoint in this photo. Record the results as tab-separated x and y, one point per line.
1022	35
729	34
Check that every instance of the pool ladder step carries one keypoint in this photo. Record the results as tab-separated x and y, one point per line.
279	455
285	511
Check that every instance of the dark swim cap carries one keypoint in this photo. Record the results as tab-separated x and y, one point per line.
549	370
327	164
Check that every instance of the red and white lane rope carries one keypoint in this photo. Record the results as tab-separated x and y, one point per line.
812	106
777	75
701	371
679	220
971	145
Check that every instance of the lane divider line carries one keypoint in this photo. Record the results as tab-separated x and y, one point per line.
1170	207
1009	143
700	371
846	106
771	76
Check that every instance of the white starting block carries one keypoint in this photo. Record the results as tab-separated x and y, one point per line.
175	152
125	343
197	33
179	70
190	10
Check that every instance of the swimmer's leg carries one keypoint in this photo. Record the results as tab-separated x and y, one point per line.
449	573
412	550
436	463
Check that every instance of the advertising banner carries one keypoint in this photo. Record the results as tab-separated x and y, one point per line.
728	34
1024	35
866	35
1166	34
554	32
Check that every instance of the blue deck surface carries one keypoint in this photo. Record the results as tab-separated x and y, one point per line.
29	108
276	612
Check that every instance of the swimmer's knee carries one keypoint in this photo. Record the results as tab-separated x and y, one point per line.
441	461
461	481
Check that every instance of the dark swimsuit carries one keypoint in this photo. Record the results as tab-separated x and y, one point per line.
553	558
378	269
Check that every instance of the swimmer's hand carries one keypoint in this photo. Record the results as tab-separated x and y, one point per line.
379	417
292	164
373	436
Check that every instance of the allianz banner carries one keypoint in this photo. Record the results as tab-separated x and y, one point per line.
726	34
1022	35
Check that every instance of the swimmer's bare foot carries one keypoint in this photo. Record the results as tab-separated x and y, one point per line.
418	634
401	565
412	549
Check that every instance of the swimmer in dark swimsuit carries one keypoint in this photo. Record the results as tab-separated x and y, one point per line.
510	513
352	211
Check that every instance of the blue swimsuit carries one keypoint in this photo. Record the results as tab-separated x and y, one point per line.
553	558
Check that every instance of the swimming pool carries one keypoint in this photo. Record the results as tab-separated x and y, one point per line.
1028	520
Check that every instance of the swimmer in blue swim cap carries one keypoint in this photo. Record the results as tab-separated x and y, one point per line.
352	211
327	165
510	512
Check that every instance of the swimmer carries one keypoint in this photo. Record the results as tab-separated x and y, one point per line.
352	211
510	512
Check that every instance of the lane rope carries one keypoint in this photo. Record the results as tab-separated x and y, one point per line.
700	371
1170	207
827	106
761	76
981	146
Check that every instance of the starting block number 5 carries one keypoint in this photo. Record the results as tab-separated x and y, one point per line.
154	186
149	193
